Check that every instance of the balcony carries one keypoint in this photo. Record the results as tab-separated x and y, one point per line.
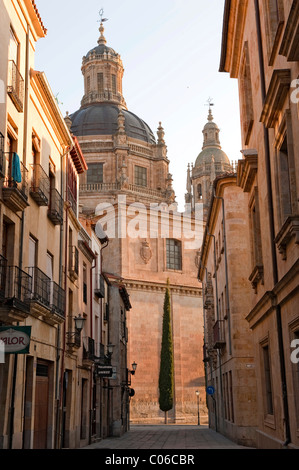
88	349
219	334
55	211
3	268
40	186
2	159
72	200
74	262
57	299
17	293
99	290
15	87
15	186
73	339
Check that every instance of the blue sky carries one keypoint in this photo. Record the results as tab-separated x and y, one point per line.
171	54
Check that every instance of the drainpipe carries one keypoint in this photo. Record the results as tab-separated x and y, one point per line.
91	335
272	231
226	273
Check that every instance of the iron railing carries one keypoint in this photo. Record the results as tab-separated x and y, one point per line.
100	287
15	87
73	338
72	200
40	185
55	211
41	288
219	334
74	260
2	159
3	268
17	175
57	299
18	287
88	348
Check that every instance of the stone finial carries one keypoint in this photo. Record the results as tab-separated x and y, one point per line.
189	183
102	39
121	122
68	120
161	135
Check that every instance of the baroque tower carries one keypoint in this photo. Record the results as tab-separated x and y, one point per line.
127	162
210	163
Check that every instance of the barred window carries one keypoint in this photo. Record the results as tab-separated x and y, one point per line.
95	173
140	176
114	84
173	254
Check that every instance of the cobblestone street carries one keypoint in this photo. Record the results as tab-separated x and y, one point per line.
167	437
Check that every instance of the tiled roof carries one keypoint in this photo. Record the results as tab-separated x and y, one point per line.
38	16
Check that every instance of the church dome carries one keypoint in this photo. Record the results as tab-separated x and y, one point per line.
206	156
100	50
101	119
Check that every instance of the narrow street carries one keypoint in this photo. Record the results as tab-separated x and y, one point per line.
167	437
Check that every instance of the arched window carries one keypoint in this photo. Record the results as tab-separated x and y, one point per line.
173	254
199	191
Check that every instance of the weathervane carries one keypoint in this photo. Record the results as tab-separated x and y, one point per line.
101	13
210	103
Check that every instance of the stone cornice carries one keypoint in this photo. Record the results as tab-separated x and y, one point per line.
158	287
247	170
276	95
289	230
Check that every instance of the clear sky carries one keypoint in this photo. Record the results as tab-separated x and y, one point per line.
171	54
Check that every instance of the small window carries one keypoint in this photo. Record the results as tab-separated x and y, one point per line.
95	173
199	191
100	82
267	380
140	176
114	84
88	85
173	254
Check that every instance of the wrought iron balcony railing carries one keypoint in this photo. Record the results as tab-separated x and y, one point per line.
15	87
41	288
2	159
3	269
73	339
55	211
88	348
72	199
57	299
40	185
16	180
18	288
100	287
219	334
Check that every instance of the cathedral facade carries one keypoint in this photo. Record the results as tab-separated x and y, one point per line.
128	188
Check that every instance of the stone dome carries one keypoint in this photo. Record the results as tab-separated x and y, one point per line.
100	50
206	156
101	119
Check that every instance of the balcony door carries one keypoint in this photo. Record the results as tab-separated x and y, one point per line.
41	406
50	274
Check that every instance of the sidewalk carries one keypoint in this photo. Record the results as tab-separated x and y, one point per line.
167	437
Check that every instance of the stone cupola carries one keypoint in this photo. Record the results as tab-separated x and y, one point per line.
103	71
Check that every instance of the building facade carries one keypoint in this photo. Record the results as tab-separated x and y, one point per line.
128	174
228	343
260	49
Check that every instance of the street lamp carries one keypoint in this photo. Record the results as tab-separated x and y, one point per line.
79	323
134	367
197	394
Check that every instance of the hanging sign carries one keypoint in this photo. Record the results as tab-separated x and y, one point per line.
15	339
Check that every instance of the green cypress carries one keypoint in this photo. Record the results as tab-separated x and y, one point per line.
166	382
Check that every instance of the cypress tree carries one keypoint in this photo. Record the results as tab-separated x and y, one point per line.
166	363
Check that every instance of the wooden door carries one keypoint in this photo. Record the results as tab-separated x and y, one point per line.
41	406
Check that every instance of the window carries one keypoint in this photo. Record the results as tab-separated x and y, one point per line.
173	254
114	84
140	176
256	240
100	82
88	85
13	47
199	191
284	180
95	173
84	283
267	380
246	95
